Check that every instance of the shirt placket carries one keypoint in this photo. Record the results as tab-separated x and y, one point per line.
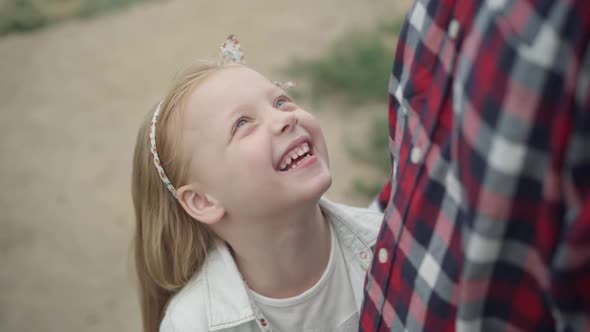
417	122
415	126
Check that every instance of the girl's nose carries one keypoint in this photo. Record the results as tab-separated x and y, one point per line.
284	122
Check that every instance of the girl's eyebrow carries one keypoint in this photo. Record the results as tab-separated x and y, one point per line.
236	111
274	92
270	93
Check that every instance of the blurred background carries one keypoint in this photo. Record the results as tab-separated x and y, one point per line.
77	76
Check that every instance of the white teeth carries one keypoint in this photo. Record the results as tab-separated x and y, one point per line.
289	163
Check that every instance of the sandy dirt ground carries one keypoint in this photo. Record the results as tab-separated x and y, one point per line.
71	98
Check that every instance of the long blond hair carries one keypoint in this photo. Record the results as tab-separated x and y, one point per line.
170	246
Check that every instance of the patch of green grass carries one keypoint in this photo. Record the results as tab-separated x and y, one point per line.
374	153
27	15
356	69
377	153
366	189
93	7
392	28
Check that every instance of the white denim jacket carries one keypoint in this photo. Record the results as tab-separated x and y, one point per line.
216	299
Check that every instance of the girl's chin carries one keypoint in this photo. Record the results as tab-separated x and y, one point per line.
316	190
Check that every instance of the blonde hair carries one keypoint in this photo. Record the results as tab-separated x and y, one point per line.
169	246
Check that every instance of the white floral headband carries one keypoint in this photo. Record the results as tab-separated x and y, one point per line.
230	51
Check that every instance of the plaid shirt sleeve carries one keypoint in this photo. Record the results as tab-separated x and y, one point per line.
487	221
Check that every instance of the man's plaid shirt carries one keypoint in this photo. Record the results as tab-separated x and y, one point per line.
487	226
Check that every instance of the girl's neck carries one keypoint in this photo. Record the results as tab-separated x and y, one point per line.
286	258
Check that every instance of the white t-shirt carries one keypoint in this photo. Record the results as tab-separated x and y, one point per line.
327	306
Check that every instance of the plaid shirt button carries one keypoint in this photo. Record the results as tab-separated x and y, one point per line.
383	256
416	155
453	29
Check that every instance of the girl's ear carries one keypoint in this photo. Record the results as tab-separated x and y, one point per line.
202	207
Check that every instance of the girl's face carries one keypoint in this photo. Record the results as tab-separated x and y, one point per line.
251	147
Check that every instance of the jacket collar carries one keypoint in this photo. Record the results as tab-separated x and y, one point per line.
357	228
229	303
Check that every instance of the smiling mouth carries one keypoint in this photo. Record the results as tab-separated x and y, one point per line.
295	157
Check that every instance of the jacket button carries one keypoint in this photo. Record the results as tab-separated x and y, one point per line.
363	255
263	322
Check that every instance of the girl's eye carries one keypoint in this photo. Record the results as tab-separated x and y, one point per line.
238	124
282	100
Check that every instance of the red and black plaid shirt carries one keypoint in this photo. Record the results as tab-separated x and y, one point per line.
487	226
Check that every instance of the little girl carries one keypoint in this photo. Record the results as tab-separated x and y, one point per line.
232	231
